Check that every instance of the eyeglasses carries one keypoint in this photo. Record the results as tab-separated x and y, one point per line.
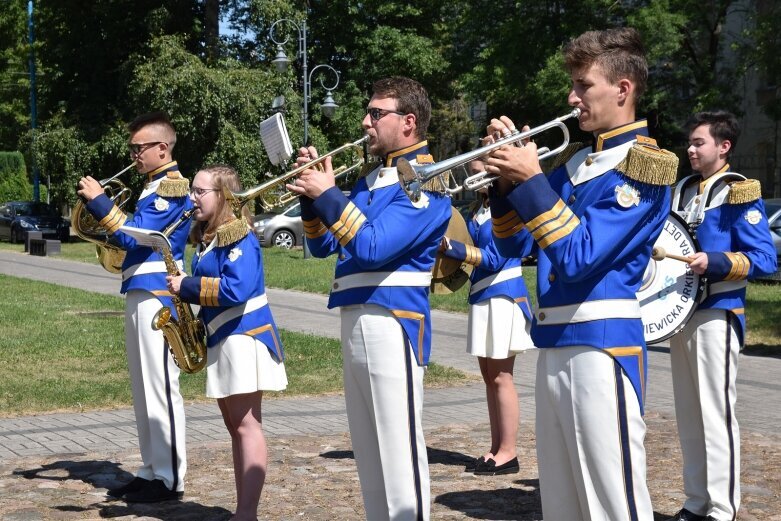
377	114
199	192
136	149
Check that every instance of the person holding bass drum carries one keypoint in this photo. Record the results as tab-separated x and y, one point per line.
500	319
727	215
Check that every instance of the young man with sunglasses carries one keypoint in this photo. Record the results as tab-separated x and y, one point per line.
154	377
386	246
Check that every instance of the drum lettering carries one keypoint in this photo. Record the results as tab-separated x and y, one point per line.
685	248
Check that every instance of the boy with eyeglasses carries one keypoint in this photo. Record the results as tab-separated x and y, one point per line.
154	377
386	246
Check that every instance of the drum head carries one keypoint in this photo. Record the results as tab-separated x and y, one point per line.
449	275
670	290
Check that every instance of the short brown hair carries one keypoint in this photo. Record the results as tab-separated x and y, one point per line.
158	119
411	97
722	125
618	52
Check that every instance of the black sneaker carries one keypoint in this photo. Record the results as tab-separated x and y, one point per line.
489	468
153	492
134	486
686	515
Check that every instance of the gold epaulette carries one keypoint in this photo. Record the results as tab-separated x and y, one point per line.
552	163
649	164
174	185
742	192
424	159
367	168
231	232
438	183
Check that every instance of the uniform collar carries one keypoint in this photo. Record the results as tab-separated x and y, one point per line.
704	181
620	135
160	171
410	153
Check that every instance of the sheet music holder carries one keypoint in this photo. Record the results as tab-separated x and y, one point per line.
151	238
276	141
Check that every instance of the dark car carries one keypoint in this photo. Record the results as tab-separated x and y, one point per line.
17	217
773	210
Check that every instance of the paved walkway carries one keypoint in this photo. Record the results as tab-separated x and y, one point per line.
759	380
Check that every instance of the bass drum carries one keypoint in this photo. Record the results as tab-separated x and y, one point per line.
670	290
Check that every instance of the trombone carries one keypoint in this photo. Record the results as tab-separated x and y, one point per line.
273	194
413	177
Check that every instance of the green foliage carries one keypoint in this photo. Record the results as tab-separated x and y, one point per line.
14	78
14	185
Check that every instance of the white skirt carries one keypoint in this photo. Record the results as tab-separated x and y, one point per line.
497	329
241	364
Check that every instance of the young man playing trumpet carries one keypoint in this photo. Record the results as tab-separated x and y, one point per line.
386	246
593	222
728	216
154	377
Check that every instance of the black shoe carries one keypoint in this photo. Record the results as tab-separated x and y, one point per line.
489	468
685	515
134	486
153	492
472	465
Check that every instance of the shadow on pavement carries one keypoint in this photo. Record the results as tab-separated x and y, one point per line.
499	504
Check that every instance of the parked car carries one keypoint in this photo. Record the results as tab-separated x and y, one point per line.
283	229
17	217
773	210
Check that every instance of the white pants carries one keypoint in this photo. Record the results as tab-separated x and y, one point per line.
704	360
590	435
158	405
383	391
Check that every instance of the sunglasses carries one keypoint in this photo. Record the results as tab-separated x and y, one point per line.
377	114
137	149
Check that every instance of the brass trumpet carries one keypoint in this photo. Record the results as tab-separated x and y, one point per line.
109	255
412	178
273	194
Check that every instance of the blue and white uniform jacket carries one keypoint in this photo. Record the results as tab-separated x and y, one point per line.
227	283
386	244
594	221
494	275
164	198
727	217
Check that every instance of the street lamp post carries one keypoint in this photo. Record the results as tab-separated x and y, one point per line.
281	62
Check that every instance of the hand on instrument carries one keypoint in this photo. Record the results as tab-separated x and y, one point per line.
313	181
516	164
700	262
89	188
444	244
175	283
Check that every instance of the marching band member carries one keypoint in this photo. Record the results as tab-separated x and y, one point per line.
386	246
499	323
728	217
594	221
245	356
154	377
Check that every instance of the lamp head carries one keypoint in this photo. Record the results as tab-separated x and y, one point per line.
280	61
328	106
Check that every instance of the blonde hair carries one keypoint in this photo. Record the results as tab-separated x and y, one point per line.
223	177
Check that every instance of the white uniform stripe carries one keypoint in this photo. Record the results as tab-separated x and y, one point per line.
502	276
587	311
382	278
226	316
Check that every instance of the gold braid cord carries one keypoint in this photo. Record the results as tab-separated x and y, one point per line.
650	165
742	192
231	232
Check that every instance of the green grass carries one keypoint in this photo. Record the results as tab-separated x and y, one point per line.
62	349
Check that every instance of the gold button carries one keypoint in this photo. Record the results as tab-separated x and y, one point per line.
589	161
571	199
382	174
541	316
552	277
341	256
336	285
697	200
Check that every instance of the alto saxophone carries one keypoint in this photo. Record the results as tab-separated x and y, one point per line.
186	335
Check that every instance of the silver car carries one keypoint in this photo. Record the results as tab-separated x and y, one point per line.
283	229
773	210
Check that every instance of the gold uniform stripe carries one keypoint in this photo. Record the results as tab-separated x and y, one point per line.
398	313
507	226
525	301
348	224
473	256
550	215
113	220
263	329
161	293
314	229
739	311
631	351
563	231
740	266
210	288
